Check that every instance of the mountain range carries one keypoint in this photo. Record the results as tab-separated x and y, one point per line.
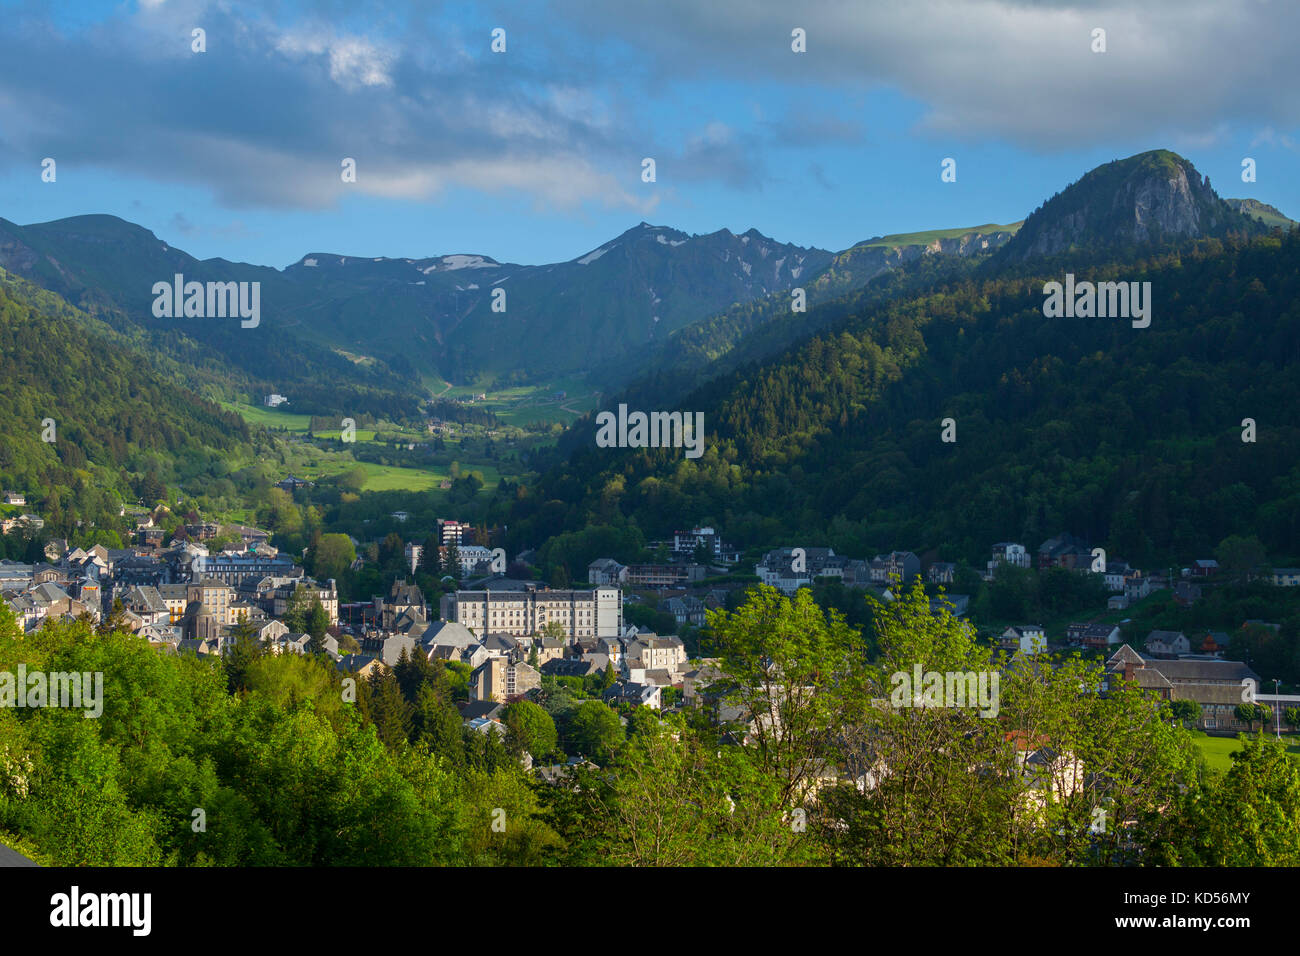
385	323
824	414
651	299
1129	437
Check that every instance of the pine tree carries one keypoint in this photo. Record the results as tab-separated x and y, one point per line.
392	713
414	671
451	564
318	621
429	562
116	620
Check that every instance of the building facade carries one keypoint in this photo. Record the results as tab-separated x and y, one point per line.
525	611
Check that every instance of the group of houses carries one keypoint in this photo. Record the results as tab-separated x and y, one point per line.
21	523
512	633
181	596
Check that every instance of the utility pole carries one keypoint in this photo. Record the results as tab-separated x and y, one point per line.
1277	710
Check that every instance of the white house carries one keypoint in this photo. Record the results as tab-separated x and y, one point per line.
413	554
1007	552
1286	577
1029	638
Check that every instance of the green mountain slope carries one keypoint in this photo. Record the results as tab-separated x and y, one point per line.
1129	437
866	274
379	324
117	413
1268	215
108	267
615	301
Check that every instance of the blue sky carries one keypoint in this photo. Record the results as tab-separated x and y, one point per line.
534	154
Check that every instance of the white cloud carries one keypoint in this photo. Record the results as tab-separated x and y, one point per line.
354	61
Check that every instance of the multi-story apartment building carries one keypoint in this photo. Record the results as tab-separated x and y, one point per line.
1115	575
217	596
473	557
664	575
525	611
234	568
499	678
452	532
1007	552
900	566
652	652
685	542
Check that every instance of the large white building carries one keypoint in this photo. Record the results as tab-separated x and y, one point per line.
523	611
1007	552
471	556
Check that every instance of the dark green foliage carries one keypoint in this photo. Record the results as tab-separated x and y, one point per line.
115	411
1130	438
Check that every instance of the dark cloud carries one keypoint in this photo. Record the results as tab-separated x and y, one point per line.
1020	70
265	116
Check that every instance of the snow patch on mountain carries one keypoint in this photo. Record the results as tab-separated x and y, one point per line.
467	262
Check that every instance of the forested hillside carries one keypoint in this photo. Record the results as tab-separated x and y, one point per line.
1130	437
117	413
868	273
107	267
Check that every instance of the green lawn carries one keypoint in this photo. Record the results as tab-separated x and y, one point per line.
269	417
310	461
925	238
389	478
521	405
1217	750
